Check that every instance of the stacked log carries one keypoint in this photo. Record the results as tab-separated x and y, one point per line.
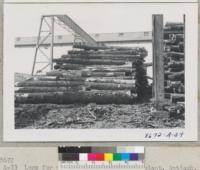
174	61
102	75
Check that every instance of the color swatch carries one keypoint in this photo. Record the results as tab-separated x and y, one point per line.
100	154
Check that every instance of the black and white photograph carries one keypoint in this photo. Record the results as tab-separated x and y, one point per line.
101	66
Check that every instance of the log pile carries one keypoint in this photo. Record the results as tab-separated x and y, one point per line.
174	61
101	75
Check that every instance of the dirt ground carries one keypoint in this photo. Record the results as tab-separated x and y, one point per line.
46	116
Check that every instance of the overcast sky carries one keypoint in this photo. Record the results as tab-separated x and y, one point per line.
23	20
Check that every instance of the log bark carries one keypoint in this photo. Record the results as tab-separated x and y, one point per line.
173	48
175	55
58	78
69	66
176	64
138	51
59	83
60	74
111	80
99	97
177	69
148	64
89	61
174	39
117	48
170	89
33	89
179	76
177	98
174	24
64	73
98	68
174	28
109	86
102	74
104	56
88	85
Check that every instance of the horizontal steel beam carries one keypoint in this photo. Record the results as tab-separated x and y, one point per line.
67	40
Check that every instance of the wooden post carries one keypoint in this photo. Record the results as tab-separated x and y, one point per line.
52	42
158	63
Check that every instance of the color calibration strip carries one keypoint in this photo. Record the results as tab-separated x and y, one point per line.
101	153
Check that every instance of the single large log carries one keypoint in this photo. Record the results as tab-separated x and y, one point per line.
175	69
110	86
111	80
176	64
111	70
89	61
69	66
174	24
61	73
148	64
173	48
177	98
175	55
75	74
166	74
174	39
99	97
174	27
89	85
59	83
100	68
32	89
57	78
179	76
181	46
137	51
102	74
175	89
88	47
168	33
124	57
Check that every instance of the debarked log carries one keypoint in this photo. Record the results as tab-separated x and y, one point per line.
89	61
84	97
